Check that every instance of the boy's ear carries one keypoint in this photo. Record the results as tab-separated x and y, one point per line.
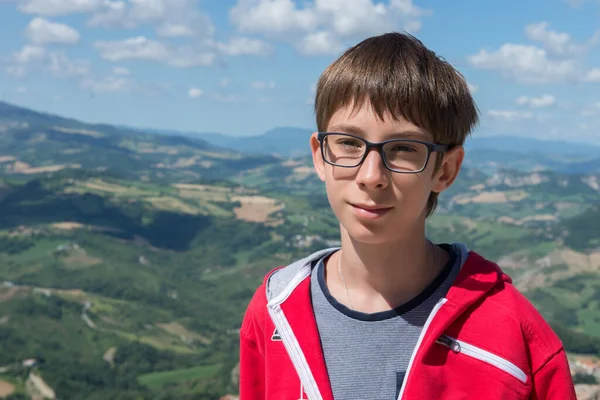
317	157
449	169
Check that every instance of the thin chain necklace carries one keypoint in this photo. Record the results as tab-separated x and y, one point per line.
344	281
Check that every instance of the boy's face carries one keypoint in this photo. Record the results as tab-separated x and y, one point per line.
372	203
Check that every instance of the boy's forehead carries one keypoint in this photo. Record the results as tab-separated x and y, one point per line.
363	117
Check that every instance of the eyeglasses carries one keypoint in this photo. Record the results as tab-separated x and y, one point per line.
405	156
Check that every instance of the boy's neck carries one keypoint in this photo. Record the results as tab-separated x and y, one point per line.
385	276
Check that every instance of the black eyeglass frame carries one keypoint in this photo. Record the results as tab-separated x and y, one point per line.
431	148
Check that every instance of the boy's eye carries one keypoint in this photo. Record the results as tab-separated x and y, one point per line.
404	148
349	143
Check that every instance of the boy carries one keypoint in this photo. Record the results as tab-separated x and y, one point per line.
390	315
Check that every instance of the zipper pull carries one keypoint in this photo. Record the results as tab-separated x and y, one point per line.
449	342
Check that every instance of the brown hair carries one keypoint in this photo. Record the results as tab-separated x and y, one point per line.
400	77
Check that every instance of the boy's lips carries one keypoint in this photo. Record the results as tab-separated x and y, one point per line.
370	211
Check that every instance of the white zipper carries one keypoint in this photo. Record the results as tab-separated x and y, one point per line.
435	310
458	346
299	277
295	352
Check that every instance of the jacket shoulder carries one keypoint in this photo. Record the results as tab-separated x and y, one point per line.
254	318
498	312
514	311
512	301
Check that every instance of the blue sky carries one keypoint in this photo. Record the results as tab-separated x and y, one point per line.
242	67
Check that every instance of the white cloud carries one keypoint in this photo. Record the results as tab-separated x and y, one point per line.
29	54
272	17
408	9
61	66
184	56
536	102
109	84
413	26
526	64
557	61
510	115
320	43
188	56
112	14
141	48
225	82
174	30
121	71
171	18
21	90
16	71
41	31
156	10
138	48
321	26
53	8
555	43
260	85
194	93
244	46
351	18
593	76
591	110
473	88
227	98
56	63
20	61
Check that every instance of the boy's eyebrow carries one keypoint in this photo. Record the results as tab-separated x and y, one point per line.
347	128
356	130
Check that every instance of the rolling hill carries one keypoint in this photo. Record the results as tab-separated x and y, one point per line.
127	258
39	143
488	153
287	142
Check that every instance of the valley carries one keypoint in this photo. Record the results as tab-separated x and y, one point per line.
127	258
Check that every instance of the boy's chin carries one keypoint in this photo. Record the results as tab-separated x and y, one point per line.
371	235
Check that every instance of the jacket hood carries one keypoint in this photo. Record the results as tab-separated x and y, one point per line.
476	278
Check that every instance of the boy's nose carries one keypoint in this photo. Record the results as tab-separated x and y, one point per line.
372	173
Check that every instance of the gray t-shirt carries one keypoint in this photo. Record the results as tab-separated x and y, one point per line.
367	354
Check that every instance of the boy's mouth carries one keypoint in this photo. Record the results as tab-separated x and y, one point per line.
370	211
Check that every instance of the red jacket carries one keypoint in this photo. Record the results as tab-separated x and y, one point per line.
484	340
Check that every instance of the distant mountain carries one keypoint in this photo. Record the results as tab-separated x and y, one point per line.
284	141
36	143
22	129
486	153
281	141
515	144
13	113
15	117
214	138
294	141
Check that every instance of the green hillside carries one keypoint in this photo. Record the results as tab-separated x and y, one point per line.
165	279
34	143
127	259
